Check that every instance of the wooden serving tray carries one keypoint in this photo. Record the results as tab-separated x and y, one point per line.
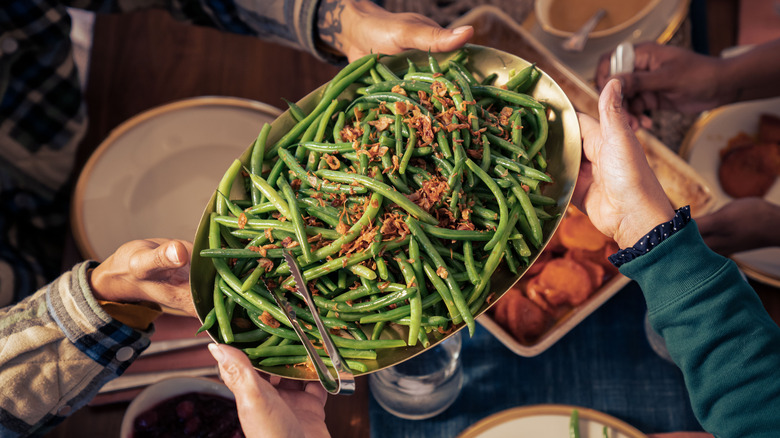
683	185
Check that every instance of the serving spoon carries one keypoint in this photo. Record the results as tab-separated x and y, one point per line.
576	42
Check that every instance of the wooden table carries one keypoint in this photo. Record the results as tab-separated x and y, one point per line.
146	59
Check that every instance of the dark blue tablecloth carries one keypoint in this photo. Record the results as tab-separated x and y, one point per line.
604	363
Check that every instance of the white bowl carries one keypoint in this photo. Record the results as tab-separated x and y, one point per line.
166	389
561	18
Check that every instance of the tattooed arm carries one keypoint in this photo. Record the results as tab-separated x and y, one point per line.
357	28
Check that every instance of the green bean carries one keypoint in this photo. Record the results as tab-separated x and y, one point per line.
315	182
257	157
383	189
369	214
297	221
495	254
355	366
441	270
391	84
489	79
468	256
525	202
502	205
328	148
574	424
512	147
443	292
415	259
449	234
295	110
407	155
271	194
347	76
208	321
376	332
542	132
520	78
385	72
299	350
415	300
521	99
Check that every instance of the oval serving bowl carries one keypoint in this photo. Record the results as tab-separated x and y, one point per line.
564	148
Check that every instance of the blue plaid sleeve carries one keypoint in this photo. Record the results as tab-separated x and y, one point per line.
59	347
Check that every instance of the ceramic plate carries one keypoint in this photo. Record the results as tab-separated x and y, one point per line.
549	421
659	25
701	148
154	173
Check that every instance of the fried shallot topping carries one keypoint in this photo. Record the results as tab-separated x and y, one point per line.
382	124
393	227
351	133
398	90
430	194
423	125
268	320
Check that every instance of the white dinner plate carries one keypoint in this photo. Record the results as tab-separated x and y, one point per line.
701	148
659	25
549	421
154	173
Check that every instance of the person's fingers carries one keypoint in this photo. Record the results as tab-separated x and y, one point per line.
649	101
591	132
615	127
584	181
434	38
643	121
316	389
645	81
603	70
255	398
170	255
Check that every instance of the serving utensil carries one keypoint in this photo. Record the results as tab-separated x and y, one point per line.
577	41
622	59
344	383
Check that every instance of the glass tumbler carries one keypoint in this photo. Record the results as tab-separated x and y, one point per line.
423	386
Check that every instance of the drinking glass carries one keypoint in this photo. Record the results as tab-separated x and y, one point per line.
423	386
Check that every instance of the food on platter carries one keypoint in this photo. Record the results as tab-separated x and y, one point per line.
749	165
572	267
400	192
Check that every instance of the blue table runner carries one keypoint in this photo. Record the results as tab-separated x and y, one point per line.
605	363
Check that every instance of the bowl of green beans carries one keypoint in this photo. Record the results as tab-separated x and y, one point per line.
413	190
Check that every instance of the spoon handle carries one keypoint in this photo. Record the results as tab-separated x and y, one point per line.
577	41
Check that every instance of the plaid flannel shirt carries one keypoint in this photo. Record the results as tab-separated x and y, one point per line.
57	348
42	114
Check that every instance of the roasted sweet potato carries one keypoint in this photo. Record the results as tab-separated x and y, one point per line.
521	317
577	232
565	282
749	170
595	269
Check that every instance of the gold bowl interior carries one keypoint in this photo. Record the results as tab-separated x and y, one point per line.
564	148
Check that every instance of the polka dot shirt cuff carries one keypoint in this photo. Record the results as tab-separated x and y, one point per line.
653	238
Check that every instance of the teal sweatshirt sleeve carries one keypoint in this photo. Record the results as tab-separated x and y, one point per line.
717	331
